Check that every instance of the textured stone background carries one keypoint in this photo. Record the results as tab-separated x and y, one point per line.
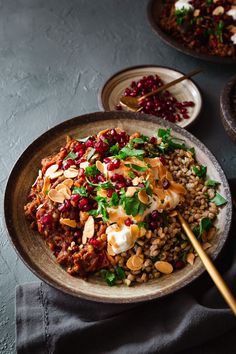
54	57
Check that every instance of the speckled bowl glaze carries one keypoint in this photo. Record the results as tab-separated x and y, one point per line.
31	247
154	9
228	107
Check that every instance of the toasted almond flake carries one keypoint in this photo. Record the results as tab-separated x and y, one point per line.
173	213
56	174
134	231
83	216
56	196
137	180
164	267
46	184
177	188
68	222
110	250
68	182
153	162
130	191
51	169
196	12
102	192
206	245
211	233
84	164
219	10
100	166
143	197
232	28
102	132
64	189
190	258
134	262
88	231
71	172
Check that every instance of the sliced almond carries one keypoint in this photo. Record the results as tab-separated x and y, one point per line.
164	267
51	169
211	233
56	196
68	222
56	174
206	245
71	172
219	10
130	191
88	231
100	166
134	231
137	180
84	164
134	262
143	197
173	213
232	28
196	12
68	182
46	184
102	132
190	258
110	250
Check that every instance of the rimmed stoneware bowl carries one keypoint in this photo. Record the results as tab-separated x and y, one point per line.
228	107
31	247
186	90
154	9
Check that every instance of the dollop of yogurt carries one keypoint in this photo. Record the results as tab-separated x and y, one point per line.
183	4
119	237
233	38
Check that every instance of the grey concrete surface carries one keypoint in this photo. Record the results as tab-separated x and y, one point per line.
54	57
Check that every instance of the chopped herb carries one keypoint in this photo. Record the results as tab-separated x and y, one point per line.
196	231
218	200
181	14
83	140
219	30
127	151
192	150
205	225
183	256
169	142
131	174
148	188
211	183
104	185
91	153
209	2
91	170
114	149
108	276
120	272
81	191
154	259
132	205
137	168
143	139
142	224
114	199
72	155
101	210
200	171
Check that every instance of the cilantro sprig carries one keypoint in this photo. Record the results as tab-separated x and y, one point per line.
132	205
218	200
200	170
111	277
81	191
91	171
169	142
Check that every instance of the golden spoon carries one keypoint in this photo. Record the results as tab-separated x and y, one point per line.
215	275
133	103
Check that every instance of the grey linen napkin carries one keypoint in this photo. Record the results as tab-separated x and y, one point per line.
194	320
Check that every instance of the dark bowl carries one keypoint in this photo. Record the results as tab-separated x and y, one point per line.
31	247
154	9
228	107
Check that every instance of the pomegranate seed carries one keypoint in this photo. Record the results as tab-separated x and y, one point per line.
186	116
113	165
163	160
101	147
94	242
78	147
117	178
153	140
65	206
84	204
153	225
128	222
75	198
68	163
46	219
179	265
120	185
118	107
165	183
89	143
154	215
106	160
128	182
110	191
101	178
78	234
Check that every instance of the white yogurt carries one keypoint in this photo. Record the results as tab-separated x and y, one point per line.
232	12
233	38
183	4
119	238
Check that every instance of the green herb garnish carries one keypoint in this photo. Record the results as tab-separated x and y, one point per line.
205	225
114	200
114	149
211	183
91	170
72	155
200	171
143	139
137	168
127	151
108	276
131	174
142	224
101	210
120	272
218	200
169	142
132	205
154	259
181	14
81	191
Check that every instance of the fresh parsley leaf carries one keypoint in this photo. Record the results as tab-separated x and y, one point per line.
192	150
181	14
127	151
205	225
200	171
120	272
81	191
218	200
108	276
114	149
211	183
91	170
104	185
196	231
143	139
114	199
83	140
132	205
183	256
169	142
131	174
137	168
148	188
142	224
102	204
72	155
91	153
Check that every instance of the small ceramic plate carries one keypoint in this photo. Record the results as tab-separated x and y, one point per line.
228	107
36	254
154	10
186	90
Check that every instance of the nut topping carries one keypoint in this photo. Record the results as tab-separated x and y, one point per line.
135	262
68	222
164	267
88	229
56	196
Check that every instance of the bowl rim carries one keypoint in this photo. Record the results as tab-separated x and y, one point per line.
228	117
178	46
135	67
87	118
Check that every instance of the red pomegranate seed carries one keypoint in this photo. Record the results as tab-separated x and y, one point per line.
120	185
106	160
116	177
89	143
83	203
79	146
46	219
165	183
68	163
75	198
128	222
113	165
154	215
153	140
179	265
110	191
78	234
163	160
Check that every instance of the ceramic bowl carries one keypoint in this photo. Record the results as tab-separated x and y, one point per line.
186	90
228	107
31	247
154	10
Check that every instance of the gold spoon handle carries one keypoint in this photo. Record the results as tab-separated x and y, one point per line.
215	275
169	84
